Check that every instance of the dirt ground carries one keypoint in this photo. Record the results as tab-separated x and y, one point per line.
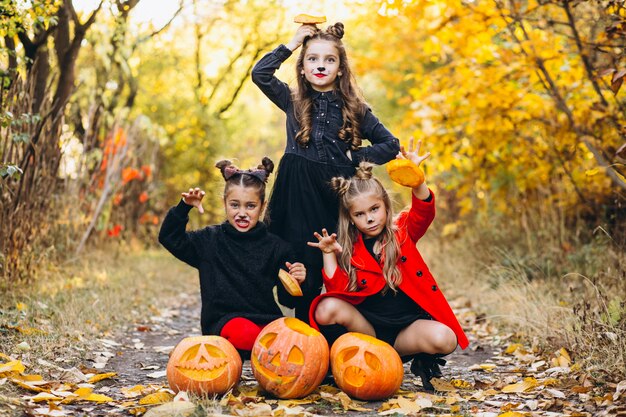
495	376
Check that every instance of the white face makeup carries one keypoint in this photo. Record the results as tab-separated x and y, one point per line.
243	207
321	64
368	214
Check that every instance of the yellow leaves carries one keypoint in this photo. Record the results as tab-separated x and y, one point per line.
561	358
11	367
100	377
526	385
487	367
156	398
86	394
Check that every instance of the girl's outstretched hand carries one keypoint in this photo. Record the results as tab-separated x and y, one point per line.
302	32
194	198
297	270
326	243
413	154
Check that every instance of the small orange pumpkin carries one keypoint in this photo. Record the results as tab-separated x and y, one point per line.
364	367
405	172
289	358
204	365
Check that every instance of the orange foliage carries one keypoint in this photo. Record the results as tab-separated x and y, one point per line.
115	230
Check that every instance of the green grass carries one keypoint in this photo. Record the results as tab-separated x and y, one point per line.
67	306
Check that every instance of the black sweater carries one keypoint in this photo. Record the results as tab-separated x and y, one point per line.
238	271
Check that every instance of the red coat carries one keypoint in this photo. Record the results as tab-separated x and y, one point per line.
417	281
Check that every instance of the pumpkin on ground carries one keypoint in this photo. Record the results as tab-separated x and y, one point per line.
405	172
204	365
289	358
364	367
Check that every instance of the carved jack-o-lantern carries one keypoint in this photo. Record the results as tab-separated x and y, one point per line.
289	358
365	367
204	365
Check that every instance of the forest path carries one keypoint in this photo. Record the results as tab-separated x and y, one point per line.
492	377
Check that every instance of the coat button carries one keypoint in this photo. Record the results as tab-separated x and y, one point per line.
419	273
363	281
434	288
403	259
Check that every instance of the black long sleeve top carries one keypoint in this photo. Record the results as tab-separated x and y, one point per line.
238	270
324	145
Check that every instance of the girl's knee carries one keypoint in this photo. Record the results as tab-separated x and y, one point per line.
444	340
326	311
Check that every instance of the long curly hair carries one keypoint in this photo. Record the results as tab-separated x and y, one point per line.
387	245
354	105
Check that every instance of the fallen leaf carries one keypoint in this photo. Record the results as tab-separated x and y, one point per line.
156	398
13	366
348	404
487	367
176	408
619	390
44	396
156	375
100	377
527	384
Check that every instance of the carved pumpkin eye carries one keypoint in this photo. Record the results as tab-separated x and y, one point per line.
204	364
357	366
289	358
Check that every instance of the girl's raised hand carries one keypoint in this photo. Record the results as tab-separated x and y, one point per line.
326	243
194	198
413	154
302	32
297	270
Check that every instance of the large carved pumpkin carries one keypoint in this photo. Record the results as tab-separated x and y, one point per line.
204	365
289	358
365	367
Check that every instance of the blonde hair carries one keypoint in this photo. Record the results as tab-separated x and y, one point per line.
363	182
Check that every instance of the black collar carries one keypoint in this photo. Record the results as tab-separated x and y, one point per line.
326	95
256	232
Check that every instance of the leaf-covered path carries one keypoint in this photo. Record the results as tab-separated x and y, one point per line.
125	375
493	377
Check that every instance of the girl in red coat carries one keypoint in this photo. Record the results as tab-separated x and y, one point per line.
376	280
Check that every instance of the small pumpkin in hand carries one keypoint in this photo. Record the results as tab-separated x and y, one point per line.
364	367
405	172
309	19
204	365
290	283
289	358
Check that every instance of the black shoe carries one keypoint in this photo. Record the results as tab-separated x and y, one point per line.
426	366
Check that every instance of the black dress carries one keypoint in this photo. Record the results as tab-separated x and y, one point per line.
301	201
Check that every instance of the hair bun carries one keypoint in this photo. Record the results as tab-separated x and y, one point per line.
340	185
267	165
222	165
336	30
364	171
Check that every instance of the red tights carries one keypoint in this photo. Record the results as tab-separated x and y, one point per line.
241	332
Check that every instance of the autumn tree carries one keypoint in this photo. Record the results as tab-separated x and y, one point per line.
510	97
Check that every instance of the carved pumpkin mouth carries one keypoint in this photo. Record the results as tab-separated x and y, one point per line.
279	379
203	363
201	372
354	376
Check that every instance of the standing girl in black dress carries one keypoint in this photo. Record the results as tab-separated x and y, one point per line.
327	120
238	260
